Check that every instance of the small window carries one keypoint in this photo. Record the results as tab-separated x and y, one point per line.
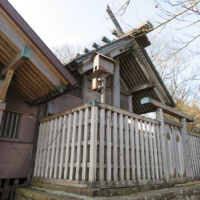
10	124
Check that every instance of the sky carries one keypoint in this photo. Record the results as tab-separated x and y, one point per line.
77	22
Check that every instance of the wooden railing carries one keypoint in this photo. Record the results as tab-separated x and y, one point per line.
194	140
96	142
108	147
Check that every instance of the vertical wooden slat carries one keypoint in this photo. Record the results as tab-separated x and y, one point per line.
174	150
46	137
186	152
197	156
159	117
78	160
132	142
115	147
159	152
58	134
151	152
192	155
67	154
142	151
38	150
6	126
137	150
108	144
16	125
121	152
2	124
41	150
101	152
11	125
195	160
126	138
198	150
49	149
74	133
155	152
63	132
147	151
93	144
52	165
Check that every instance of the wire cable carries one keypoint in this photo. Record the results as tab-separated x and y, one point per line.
57	131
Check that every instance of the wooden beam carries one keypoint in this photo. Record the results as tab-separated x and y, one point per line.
142	87
6	84
116	85
172	122
147	101
18	60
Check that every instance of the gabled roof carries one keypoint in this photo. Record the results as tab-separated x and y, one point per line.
130	68
28	31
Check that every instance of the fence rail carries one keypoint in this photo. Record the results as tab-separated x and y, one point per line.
194	141
99	143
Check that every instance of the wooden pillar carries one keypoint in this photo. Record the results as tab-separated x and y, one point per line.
130	105
103	92
159	117
6	84
116	85
186	150
84	88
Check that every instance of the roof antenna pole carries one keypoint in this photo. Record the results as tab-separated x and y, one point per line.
112	16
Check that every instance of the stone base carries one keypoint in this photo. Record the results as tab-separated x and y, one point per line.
30	194
105	189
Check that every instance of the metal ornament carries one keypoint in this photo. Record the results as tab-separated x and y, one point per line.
168	136
177	138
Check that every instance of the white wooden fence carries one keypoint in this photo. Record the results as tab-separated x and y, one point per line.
194	140
116	148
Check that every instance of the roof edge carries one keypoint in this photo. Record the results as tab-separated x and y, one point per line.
35	39
157	75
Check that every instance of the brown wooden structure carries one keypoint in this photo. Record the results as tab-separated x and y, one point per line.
82	143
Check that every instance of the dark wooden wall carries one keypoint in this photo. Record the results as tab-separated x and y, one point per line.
12	163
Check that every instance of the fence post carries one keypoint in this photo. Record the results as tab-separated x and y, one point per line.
186	149
93	144
159	117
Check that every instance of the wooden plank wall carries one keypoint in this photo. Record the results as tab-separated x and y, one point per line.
194	141
174	151
96	144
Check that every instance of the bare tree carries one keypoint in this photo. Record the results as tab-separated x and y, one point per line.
180	74
65	52
186	14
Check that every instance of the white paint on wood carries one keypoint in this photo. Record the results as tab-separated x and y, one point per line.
101	147
67	153
58	142
52	166
155	152
108	147
78	157
159	116
63	133
137	150
186	148
85	144
74	135
121	149
132	143
151	152
147	151
142	151
115	147
93	145
159	152
49	149
126	138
